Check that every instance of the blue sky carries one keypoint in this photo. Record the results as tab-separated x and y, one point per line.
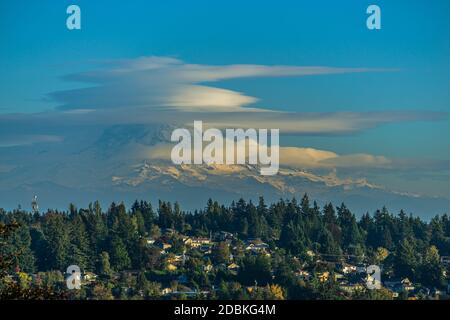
37	51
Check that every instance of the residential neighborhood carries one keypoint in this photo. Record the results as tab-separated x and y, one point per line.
224	255
287	250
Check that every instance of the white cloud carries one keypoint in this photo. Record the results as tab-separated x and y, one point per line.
314	123
207	98
304	157
299	158
169	90
358	160
163	81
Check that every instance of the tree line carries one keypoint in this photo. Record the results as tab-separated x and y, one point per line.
114	240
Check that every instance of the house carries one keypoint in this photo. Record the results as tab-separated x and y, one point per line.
303	274
399	286
253	241
407	284
233	267
187	240
346	268
361	268
223	236
323	276
166	291
351	287
196	242
201	241
310	253
174	259
188	292
257	246
262	246
89	277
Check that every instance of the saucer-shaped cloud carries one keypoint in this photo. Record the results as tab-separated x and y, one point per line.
156	82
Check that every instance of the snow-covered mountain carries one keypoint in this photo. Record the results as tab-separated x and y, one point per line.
195	183
112	164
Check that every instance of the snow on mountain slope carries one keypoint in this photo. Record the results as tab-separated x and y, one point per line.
199	174
112	164
196	183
